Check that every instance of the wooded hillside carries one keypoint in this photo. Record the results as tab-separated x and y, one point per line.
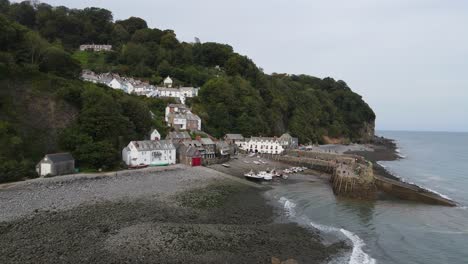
45	108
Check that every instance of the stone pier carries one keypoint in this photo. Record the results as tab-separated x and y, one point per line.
352	176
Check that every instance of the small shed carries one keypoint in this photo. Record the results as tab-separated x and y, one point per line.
56	164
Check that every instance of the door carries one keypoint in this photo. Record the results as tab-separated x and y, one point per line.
196	161
46	169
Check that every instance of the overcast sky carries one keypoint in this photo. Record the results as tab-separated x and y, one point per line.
407	58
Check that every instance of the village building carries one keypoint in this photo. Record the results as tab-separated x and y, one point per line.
223	150
93	47
189	155
235	139
264	145
180	117
289	142
154	135
174	108
169	92
149	152
210	148
177	137
56	164
130	85
168	82
89	76
116	83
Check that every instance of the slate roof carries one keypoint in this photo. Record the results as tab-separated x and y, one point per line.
206	141
192	152
178	135
195	143
148	145
60	157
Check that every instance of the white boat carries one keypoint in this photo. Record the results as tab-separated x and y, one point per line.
262	175
252	176
267	176
256	162
226	165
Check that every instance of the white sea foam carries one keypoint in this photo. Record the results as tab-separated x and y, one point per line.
438	193
381	164
358	256
288	206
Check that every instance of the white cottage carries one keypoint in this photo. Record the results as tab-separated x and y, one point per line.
115	83
148	152
266	145
154	135
168	82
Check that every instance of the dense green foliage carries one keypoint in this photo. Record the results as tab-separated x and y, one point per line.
39	59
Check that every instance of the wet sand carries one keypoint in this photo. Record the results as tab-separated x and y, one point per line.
185	215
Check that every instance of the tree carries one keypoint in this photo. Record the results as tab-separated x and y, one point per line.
36	45
4	6
120	34
97	155
23	13
59	62
132	24
135	54
169	40
138	113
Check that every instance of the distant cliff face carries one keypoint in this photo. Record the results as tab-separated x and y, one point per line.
367	132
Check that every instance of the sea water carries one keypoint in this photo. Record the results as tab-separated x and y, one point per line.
395	231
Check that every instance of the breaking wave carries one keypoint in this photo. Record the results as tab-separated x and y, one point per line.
358	256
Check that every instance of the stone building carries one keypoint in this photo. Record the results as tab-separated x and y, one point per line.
56	164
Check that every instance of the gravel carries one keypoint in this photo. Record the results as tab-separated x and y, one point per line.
66	192
175	214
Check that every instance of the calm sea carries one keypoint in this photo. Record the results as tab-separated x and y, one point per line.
394	231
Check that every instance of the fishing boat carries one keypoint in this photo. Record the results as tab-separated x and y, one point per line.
262	175
252	176
267	176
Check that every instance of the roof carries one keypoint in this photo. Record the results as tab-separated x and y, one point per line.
168	89
177	105
195	143
234	137
206	141
192	152
168	80
147	145
274	139
60	157
222	144
178	135
286	136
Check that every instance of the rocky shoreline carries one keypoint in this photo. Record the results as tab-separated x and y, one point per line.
185	215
